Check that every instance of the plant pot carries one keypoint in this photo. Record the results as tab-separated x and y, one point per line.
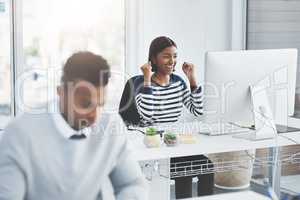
152	141
234	179
170	142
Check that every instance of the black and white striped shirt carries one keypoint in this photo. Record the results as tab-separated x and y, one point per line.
163	104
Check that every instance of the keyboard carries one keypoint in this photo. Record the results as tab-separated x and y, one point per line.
216	129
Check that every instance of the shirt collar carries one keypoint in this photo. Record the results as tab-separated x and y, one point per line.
65	129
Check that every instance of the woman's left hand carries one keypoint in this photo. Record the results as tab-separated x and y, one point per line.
189	71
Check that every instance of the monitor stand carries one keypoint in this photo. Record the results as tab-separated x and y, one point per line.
286	129
257	135
265	127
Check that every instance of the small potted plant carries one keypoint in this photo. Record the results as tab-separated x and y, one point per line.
170	139
152	138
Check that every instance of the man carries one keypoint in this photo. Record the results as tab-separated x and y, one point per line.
69	155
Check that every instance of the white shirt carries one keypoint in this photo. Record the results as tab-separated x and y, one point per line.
38	162
65	128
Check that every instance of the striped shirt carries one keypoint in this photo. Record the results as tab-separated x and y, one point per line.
163	104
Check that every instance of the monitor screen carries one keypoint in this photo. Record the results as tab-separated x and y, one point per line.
229	75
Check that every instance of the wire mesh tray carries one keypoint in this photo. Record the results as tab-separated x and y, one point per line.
205	166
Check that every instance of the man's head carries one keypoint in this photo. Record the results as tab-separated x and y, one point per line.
82	90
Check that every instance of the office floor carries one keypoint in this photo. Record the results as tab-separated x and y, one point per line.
290	186
216	190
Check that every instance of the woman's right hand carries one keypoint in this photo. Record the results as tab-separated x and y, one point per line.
147	72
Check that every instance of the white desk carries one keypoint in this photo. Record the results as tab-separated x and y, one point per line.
206	145
295	136
246	195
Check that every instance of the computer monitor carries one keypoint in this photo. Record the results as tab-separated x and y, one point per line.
229	74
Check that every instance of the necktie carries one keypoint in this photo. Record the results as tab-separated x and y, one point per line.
76	136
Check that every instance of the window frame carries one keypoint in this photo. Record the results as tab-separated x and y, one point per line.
12	8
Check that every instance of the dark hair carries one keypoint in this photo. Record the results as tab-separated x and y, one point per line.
88	67
157	45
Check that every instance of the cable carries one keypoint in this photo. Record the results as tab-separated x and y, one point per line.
159	132
135	129
266	122
265	117
292	140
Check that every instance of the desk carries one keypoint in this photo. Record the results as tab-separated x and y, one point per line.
293	136
205	145
246	195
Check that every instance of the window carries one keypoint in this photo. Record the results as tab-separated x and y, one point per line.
5	70
55	29
46	33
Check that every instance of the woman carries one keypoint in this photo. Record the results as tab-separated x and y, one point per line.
159	96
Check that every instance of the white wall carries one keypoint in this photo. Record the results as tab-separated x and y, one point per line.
196	26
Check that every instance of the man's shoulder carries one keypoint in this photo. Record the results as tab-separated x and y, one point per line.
26	123
24	118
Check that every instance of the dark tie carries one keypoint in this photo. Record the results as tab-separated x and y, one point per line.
76	136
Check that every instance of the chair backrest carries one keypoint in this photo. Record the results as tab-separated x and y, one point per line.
127	108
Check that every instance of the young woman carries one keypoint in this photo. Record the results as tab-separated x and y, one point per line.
158	96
